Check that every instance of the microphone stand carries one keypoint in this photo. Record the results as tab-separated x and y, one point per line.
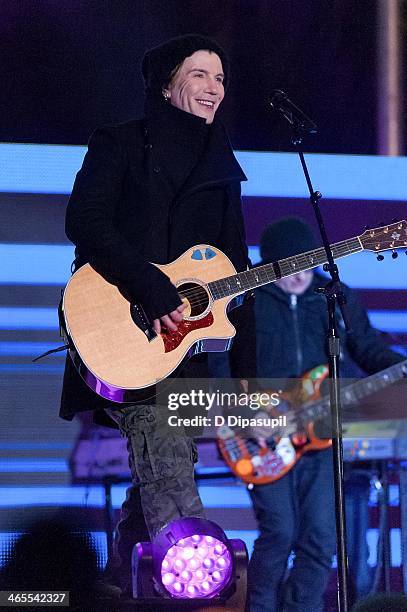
334	295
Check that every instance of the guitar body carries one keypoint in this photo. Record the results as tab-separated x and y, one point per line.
252	460
263	461
115	348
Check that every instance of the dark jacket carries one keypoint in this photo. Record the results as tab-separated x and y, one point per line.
291	335
147	191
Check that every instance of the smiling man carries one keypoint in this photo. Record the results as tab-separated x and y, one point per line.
148	190
197	85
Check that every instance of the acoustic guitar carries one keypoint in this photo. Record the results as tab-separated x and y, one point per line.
113	344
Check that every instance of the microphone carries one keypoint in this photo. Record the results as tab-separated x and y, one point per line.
281	103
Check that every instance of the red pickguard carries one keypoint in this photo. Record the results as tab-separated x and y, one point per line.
173	339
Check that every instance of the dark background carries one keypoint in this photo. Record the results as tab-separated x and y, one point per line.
69	66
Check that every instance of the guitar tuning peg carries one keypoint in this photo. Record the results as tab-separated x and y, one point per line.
380	257
394	255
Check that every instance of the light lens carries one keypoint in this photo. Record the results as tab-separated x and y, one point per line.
196	566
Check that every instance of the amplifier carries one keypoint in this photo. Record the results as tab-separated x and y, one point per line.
367	440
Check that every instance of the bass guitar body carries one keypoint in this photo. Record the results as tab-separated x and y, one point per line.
264	460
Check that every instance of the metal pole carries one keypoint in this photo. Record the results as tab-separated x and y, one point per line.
389	69
386	548
403	516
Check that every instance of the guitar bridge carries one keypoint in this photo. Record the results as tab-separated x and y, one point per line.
141	320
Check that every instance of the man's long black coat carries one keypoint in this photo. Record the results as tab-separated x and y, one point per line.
141	196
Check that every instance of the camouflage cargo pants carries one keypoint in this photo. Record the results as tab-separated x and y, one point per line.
161	460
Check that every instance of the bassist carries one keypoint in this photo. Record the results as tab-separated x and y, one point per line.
297	513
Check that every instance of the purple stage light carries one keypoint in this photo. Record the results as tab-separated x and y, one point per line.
192	559
197	568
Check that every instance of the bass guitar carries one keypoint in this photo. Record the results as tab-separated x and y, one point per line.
266	459
113	344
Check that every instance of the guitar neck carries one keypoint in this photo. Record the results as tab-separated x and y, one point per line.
354	393
268	273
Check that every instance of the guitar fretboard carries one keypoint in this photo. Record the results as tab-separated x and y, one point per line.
250	279
354	393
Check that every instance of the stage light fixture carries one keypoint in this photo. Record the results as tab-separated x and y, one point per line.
191	564
192	559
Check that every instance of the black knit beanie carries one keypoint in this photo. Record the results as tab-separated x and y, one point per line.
158	63
286	237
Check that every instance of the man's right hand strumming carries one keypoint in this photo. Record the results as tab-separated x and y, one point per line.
170	321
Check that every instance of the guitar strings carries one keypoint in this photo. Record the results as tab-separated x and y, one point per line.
195	297
300	260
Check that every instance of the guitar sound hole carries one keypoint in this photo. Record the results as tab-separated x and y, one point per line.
196	296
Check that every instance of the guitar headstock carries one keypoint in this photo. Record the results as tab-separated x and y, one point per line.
388	237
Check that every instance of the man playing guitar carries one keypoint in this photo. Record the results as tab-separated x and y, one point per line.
148	190
296	512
